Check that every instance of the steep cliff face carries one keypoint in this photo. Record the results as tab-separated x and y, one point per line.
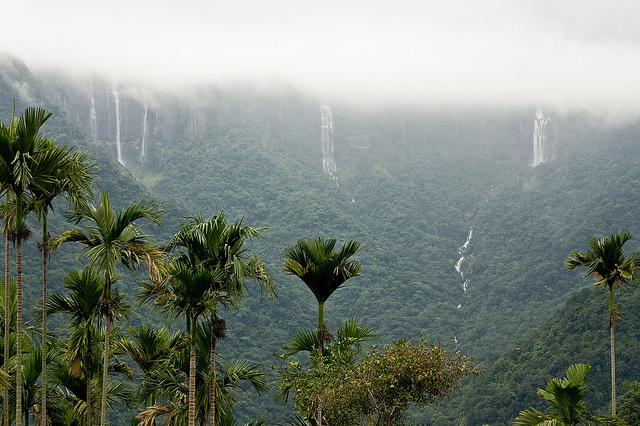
134	123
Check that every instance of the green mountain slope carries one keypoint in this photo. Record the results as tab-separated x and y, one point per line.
410	185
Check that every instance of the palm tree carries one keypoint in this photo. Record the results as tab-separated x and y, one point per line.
190	294
566	403
23	166
74	181
7	229
166	384
111	238
82	306
221	246
606	261
323	269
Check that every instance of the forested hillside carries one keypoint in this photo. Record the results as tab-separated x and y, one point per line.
409	185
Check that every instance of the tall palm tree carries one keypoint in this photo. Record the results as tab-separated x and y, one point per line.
566	403
165	384
218	245
23	166
7	229
112	238
605	260
190	294
73	180
323	269
82	306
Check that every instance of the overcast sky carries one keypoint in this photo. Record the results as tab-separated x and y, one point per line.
571	53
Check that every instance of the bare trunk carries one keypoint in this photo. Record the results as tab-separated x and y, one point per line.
192	385
88	377
613	354
7	324
212	366
105	371
19	329
320	352
45	257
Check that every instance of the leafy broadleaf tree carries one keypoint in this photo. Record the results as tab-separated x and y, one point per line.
323	269
376	389
567	407
112	238
606	261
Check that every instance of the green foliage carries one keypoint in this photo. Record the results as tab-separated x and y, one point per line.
629	404
377	388
565	398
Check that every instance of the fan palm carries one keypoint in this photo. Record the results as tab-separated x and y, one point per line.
111	238
605	260
566	403
219	245
323	269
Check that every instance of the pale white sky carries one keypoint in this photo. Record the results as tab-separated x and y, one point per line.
570	53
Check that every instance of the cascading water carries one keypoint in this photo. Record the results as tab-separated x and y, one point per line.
117	102
539	137
93	117
326	120
143	144
463	251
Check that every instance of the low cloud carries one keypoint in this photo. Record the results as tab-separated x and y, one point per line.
493	53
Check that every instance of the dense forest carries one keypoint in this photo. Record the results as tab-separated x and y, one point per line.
418	189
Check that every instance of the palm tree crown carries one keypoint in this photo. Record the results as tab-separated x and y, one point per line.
320	267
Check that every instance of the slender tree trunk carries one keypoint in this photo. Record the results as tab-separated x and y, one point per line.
613	354
7	324
105	368
19	326
192	384
212	392
45	258
88	377
320	352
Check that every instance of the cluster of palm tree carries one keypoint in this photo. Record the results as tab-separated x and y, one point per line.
202	269
33	172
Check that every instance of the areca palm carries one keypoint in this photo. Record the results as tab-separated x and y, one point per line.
218	245
24	165
165	384
112	238
566	403
72	174
323	269
82	306
606	261
188	293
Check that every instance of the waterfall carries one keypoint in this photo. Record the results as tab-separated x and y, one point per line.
539	137
117	100
143	144
462	251
93	118
326	120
